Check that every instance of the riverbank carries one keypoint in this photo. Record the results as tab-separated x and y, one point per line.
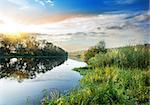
117	77
109	85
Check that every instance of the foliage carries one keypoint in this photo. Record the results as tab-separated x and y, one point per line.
109	85
117	77
83	70
100	47
27	67
127	57
23	57
27	45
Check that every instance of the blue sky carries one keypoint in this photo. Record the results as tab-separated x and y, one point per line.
98	6
89	6
31	11
117	22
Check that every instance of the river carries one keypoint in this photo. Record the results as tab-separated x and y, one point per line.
31	91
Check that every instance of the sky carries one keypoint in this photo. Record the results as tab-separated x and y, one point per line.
72	21
47	11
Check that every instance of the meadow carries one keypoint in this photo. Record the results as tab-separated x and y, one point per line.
118	76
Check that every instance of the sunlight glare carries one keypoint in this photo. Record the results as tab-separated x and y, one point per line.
10	26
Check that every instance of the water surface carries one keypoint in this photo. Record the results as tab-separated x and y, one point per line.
14	92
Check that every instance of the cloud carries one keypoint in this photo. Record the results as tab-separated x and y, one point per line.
88	23
26	4
85	31
45	2
37	11
25	11
116	27
145	16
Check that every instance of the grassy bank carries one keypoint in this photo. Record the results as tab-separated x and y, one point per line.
116	76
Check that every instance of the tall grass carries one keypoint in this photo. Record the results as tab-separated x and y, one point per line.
110	85
118	77
127	57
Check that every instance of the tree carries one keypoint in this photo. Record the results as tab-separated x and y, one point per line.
100	47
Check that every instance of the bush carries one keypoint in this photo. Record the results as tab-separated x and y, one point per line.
100	47
127	57
116	77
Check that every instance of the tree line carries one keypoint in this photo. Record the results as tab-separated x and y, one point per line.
28	45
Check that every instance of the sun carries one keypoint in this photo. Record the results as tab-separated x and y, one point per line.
11	28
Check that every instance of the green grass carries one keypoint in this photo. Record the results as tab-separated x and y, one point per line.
119	77
127	57
83	70
110	85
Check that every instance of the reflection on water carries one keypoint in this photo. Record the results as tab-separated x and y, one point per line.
61	77
27	68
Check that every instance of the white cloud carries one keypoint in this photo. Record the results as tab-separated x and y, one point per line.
42	3
88	23
45	2
142	17
115	29
99	23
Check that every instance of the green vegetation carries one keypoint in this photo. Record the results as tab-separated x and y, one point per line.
106	86
100	47
126	57
23	57
25	45
113	77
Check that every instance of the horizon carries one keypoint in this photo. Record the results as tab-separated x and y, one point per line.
73	52
78	24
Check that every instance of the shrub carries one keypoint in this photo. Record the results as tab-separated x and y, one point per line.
127	57
100	47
